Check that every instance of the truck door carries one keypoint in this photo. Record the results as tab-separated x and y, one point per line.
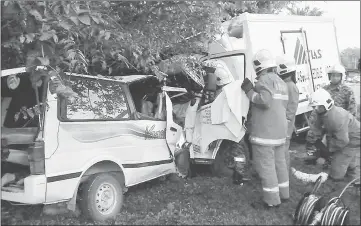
295	44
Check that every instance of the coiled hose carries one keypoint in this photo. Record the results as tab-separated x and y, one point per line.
313	210
307	205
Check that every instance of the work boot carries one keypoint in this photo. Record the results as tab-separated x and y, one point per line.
311	149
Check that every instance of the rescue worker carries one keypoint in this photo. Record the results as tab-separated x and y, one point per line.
223	77
234	158
344	135
286	69
342	95
268	128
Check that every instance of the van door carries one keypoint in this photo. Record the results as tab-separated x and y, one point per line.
173	130
295	44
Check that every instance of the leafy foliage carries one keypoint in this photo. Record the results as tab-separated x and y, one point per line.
112	37
350	58
305	11
235	8
104	37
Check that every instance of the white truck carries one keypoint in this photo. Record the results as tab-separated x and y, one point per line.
310	40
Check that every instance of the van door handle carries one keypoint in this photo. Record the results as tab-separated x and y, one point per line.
173	129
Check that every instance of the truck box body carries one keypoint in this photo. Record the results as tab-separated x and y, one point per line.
310	40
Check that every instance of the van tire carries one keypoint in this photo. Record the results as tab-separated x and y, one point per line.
101	185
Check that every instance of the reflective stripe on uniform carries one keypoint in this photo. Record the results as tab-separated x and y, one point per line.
272	190
284	184
239	159
279	96
263	141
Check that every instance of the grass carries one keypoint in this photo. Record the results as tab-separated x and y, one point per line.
199	200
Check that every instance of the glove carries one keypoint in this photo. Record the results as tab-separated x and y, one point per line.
321	161
323	150
246	85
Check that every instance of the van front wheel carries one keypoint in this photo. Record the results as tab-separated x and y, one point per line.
219	167
101	198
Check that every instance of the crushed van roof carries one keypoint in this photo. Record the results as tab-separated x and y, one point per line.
122	79
14	71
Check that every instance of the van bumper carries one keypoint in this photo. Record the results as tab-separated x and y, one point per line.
33	193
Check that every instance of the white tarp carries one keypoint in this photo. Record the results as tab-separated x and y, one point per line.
222	119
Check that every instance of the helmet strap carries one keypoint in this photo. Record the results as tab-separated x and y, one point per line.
290	74
323	113
293	78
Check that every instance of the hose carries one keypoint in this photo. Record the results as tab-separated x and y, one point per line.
334	214
307	205
312	209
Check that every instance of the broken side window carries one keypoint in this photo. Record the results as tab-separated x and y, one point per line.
96	100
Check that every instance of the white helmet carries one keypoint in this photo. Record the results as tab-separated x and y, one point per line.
321	97
262	60
336	69
285	65
223	77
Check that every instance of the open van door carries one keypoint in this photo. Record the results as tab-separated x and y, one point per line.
295	44
173	130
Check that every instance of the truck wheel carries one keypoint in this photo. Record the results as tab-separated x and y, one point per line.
101	197
219	167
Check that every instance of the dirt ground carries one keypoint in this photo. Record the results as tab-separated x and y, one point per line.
202	199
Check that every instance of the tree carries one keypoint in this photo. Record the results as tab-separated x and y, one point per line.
112	37
350	57
235	8
109	36
305	11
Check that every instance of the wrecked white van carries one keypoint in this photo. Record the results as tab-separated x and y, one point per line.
91	147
